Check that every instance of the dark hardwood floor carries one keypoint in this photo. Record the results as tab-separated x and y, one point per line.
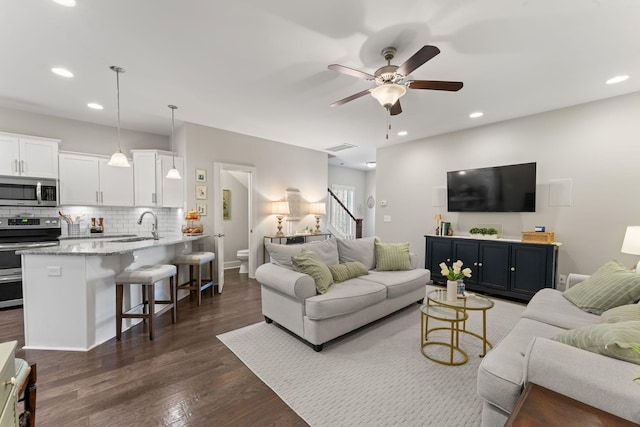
185	377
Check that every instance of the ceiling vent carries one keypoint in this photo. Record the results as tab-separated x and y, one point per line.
340	147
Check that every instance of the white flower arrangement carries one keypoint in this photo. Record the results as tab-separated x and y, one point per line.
455	272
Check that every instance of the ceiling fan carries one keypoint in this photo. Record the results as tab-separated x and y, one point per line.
389	79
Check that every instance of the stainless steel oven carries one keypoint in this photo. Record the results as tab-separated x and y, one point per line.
20	191
17	233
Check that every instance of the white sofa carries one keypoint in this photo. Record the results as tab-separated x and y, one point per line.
290	298
529	354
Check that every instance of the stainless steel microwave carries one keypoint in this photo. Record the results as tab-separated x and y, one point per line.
21	191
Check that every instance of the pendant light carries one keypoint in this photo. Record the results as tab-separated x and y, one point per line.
173	172
118	159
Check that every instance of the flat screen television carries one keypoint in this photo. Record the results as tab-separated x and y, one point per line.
510	188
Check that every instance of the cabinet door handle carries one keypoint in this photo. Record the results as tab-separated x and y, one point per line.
15	166
101	197
513	269
21	166
97	198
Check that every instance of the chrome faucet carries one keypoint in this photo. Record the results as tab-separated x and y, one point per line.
154	227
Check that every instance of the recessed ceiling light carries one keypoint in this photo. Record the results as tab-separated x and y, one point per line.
371	164
617	79
67	3
62	72
95	106
476	115
402	133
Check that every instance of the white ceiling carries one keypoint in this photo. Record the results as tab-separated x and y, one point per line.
260	67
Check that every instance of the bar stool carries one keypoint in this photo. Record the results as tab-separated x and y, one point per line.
146	276
195	260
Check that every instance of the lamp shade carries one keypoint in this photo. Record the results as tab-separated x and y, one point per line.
317	208
280	208
173	173
388	94
631	242
118	159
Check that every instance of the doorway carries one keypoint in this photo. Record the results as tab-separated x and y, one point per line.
222	215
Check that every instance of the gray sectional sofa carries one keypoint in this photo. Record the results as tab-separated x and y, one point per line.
529	354
290	298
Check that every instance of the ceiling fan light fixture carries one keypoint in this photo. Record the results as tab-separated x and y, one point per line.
388	94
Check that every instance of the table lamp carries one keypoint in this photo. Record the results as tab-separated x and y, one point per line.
280	209
631	243
317	209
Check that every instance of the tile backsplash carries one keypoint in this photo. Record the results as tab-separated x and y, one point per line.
117	220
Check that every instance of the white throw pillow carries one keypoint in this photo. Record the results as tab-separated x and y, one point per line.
282	254
327	250
361	250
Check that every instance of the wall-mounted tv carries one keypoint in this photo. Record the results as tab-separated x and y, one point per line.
510	188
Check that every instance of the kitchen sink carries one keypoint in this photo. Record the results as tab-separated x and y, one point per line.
131	239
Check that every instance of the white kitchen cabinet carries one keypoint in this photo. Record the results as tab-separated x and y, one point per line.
152	188
30	156
89	180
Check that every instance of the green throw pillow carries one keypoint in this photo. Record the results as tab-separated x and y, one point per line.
611	286
392	256
309	263
621	314
609	339
347	270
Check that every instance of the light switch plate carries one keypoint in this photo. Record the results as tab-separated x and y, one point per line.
387	218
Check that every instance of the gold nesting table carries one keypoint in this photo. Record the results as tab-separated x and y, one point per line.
456	314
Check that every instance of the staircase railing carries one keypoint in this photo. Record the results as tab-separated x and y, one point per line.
342	220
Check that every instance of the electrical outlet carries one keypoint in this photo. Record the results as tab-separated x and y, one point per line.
562	279
387	218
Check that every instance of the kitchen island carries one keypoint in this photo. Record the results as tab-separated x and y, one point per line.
69	290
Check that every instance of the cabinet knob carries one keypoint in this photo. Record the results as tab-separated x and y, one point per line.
12	381
513	269
479	264
475	263
448	259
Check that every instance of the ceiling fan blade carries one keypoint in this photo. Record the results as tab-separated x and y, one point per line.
350	72
420	57
435	85
395	109
350	98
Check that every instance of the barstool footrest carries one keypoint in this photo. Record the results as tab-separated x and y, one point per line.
139	311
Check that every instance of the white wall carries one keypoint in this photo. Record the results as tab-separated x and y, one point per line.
364	185
278	167
596	145
369	223
79	136
236	227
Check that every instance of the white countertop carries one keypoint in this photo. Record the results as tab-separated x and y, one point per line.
109	245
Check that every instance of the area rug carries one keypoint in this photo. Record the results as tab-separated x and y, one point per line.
375	376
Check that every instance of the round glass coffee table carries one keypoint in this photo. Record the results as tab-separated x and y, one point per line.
472	302
444	314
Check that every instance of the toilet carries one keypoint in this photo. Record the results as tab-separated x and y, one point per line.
243	257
